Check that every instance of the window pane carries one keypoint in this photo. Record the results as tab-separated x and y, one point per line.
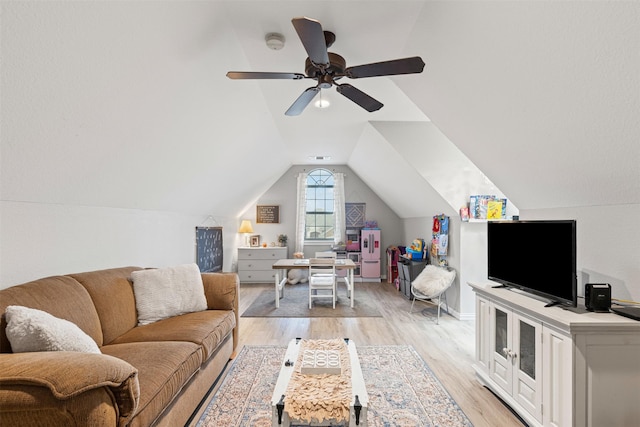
320	205
311	193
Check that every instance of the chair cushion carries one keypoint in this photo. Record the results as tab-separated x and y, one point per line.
433	280
321	281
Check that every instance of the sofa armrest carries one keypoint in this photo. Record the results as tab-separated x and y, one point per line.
223	293
68	375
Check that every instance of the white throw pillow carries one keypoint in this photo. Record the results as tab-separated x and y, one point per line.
433	280
29	329
168	292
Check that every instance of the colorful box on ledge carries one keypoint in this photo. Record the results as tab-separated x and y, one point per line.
416	250
484	207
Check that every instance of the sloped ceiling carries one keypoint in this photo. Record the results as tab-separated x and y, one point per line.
126	104
544	97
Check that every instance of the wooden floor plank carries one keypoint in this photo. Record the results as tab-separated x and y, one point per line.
448	348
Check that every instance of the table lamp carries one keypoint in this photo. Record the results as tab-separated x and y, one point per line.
246	228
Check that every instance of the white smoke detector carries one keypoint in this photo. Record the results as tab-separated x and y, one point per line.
274	41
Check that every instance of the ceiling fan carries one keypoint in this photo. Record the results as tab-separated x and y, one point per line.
327	67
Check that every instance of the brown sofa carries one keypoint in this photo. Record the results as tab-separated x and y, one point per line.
155	374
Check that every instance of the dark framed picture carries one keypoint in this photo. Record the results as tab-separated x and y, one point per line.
255	240
268	214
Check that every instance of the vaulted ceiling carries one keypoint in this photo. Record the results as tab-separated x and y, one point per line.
126	104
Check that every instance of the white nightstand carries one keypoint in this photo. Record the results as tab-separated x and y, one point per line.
254	264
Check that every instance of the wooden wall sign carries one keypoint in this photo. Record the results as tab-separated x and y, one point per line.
268	214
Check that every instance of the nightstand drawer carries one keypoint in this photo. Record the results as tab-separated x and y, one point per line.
262	253
262	276
255	264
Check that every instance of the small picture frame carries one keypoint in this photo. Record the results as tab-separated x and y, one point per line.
255	241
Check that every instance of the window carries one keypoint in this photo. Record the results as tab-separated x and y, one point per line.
320	217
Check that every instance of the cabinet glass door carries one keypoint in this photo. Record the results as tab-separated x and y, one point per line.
527	343
501	366
527	349
501	330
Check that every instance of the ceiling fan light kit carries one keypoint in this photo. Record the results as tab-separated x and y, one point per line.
322	102
327	67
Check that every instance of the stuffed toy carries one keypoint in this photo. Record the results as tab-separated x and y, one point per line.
297	275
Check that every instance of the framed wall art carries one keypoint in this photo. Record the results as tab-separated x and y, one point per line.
268	214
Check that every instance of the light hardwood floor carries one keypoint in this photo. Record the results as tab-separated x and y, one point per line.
448	348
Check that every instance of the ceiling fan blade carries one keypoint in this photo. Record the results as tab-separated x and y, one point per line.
312	38
241	75
411	65
359	97
303	100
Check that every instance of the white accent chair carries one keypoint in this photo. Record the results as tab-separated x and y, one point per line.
432	283
322	278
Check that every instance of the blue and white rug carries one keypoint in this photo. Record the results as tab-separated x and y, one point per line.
403	391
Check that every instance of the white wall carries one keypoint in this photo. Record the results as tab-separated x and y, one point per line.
464	248
608	251
283	193
473	263
40	240
608	245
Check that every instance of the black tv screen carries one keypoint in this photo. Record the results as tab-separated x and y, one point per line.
535	256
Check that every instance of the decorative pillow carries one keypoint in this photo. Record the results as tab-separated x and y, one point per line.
433	280
29	329
168	292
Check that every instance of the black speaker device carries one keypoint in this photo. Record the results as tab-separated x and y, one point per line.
597	297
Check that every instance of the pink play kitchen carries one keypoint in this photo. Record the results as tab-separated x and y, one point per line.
363	248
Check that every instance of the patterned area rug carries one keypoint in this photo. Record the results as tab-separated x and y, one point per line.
296	303
402	390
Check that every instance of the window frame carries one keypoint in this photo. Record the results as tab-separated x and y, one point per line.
325	214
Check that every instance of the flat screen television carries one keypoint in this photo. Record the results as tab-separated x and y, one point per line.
538	257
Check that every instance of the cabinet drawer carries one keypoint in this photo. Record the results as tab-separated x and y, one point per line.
262	253
266	276
255	264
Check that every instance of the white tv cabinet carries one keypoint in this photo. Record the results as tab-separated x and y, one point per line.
556	367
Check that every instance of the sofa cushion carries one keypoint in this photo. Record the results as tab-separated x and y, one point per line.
168	292
61	296
163	370
204	328
112	293
29	329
